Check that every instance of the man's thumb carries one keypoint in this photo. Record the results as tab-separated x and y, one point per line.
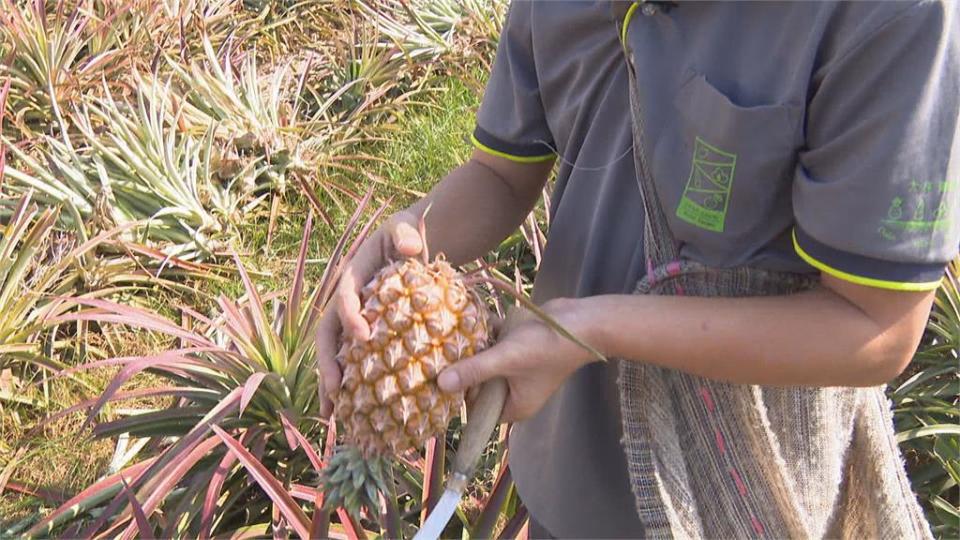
466	373
406	239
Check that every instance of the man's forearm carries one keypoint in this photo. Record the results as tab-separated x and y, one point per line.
475	207
816	338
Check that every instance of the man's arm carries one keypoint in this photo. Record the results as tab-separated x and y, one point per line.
479	204
839	334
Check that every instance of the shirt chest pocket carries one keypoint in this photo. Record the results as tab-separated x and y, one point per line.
728	191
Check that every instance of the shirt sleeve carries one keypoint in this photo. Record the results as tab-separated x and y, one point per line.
876	191
511	121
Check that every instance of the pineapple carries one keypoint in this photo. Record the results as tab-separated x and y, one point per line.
423	317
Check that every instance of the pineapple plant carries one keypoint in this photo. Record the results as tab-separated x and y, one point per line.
246	369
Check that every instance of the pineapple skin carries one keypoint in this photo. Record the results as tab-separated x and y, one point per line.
422	318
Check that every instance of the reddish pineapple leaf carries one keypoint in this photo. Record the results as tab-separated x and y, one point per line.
86	499
255	302
302	441
353	530
330	273
292	441
320	526
213	492
250	388
170	476
106	311
197	317
174	453
3	112
277	524
143	526
331	441
314	200
56	497
127	372
516	527
170	260
274	489
306	493
492	507
296	291
192	487
120	396
132	366
219	477
432	476
234	319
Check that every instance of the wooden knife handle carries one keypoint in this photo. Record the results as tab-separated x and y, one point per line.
483	418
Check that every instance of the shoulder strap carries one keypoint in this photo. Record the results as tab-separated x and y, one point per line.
659	244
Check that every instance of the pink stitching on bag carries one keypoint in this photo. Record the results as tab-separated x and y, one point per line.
721	446
705	394
720	443
741	487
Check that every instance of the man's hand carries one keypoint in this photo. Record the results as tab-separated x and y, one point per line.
397	238
533	358
472	209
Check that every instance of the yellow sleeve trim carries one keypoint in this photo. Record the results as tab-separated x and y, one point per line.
626	21
517	159
860	280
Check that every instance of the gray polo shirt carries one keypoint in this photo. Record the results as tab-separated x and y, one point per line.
802	136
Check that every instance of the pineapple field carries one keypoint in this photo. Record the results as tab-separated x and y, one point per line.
181	184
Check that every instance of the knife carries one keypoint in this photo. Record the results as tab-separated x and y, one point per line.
482	420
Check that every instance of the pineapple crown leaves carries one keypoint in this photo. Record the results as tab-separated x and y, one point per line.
353	482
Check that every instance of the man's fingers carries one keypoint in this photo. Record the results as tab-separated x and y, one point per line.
327	366
470	371
348	307
495	324
510	414
327	354
406	239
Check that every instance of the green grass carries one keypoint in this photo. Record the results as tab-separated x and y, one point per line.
430	142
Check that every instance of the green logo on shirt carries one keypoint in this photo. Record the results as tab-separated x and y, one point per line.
707	195
917	215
